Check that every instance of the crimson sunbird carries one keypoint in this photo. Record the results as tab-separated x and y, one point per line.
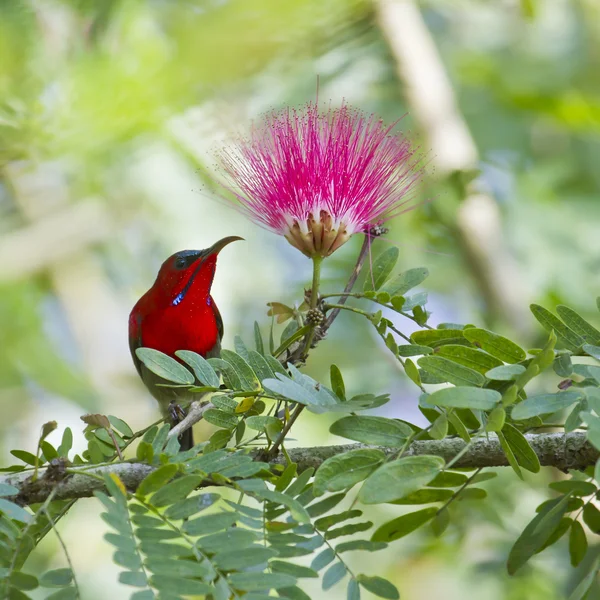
178	313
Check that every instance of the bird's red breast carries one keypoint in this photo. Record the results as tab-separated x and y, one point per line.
178	312
169	317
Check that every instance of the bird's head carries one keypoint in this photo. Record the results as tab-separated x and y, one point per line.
189	272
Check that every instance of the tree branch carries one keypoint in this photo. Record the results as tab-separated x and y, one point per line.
559	450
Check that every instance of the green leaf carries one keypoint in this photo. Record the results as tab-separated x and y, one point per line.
562	365
578	324
337	382
548	321
23	581
297	511
8	490
175	491
378	431
439	428
178	567
322	559
510	456
591	517
248	379
436	337
164	366
66	443
136	579
179	585
496	345
381	269
325	523
474	358
401	526
320	508
403	282
379	586
220	418
210	523
240	347
440	522
535	535
14	511
414	301
56	578
230	560
345	470
365	545
505	372
576	487
448	479
397	479
260	422
297	486
407	350
258	339
496	419
459	426
279	566
293	593
593	351
232	538
202	369
353	590
412	372
523	452
297	392
545	404
261	581
349	529
70	593
333	575
450	371
577	543
580	592
465	397
156	480
260	365
25	456
426	496
230	377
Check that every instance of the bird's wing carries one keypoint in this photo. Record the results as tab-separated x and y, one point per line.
135	340
219	320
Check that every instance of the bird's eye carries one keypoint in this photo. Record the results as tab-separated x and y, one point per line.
180	263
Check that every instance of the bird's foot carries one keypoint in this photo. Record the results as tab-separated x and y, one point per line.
176	412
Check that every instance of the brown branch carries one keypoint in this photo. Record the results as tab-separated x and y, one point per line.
559	450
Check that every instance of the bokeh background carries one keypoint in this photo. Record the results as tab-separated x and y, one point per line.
109	114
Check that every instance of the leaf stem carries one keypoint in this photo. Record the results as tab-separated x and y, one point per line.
274	449
459	491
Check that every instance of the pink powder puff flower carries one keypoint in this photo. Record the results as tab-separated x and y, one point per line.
319	177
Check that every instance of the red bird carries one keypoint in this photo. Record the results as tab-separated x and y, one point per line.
178	313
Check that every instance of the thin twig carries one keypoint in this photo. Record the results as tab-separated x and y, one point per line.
64	548
355	273
273	451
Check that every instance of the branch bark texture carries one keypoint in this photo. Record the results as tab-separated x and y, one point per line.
559	450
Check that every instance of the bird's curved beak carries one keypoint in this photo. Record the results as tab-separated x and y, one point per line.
218	246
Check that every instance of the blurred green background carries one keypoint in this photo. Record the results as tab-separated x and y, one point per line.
109	113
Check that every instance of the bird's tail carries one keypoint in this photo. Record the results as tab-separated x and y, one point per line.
186	440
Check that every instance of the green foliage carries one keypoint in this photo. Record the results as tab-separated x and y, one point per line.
171	537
